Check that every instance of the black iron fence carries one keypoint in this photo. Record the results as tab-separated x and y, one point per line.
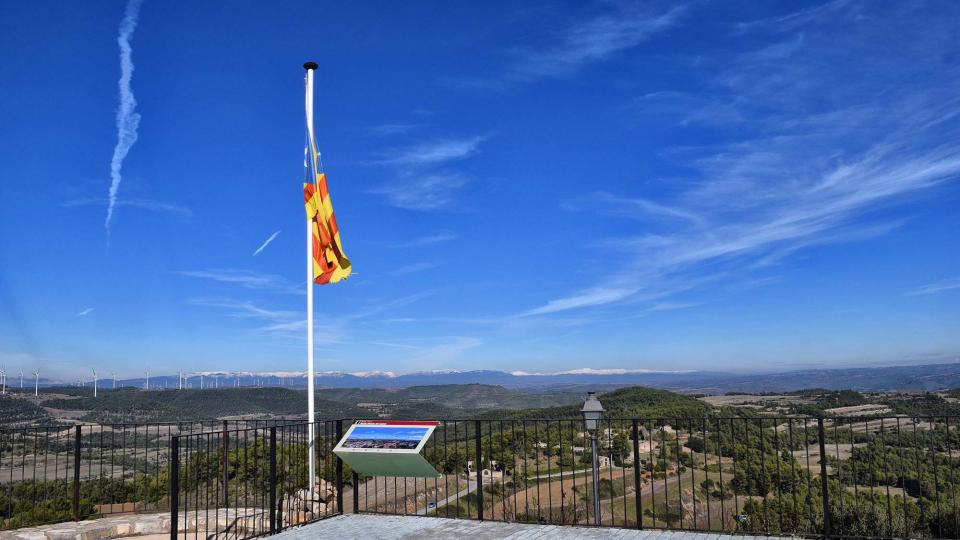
60	473
878	477
243	483
890	477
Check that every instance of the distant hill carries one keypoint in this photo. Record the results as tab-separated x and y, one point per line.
385	380
903	378
419	402
897	378
633	402
132	405
15	411
454	396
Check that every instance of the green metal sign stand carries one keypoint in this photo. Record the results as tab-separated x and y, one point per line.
387	448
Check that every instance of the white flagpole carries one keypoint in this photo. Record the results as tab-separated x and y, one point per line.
310	67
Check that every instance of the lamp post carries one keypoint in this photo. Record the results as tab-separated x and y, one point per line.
591	411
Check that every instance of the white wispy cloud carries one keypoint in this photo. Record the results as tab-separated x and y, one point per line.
128	119
85	312
428	240
396	345
671	306
384	130
244	309
266	243
143	204
686	108
434	152
798	19
938	287
434	352
634	208
277	323
245	278
775	52
768	224
381	305
594	40
292	324
590	297
412	268
424	180
423	191
448	351
819	155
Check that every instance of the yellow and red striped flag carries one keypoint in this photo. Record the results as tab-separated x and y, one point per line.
330	265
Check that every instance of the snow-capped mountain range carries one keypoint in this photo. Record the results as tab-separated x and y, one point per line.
911	377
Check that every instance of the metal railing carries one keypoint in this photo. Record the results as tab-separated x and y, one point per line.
877	477
243	483
50	474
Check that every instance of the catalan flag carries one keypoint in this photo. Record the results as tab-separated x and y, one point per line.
330	265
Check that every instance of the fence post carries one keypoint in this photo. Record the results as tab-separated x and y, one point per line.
356	493
174	484
636	472
339	471
596	477
478	470
76	476
824	485
273	479
226	465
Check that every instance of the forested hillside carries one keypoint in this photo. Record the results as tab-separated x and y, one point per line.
14	411
453	396
131	405
633	402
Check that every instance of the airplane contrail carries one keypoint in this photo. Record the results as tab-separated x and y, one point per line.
127	119
266	243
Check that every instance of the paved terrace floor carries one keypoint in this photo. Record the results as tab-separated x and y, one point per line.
370	527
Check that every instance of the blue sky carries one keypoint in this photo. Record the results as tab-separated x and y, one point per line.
387	432
720	185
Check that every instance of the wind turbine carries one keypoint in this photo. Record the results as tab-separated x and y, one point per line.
179	379
114	374
201	381
94	382
21	379
147	383
3	380
36	383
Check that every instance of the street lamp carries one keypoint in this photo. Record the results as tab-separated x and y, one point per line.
591	411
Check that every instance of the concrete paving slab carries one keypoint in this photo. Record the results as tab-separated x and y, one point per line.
367	527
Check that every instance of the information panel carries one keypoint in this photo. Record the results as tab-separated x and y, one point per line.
387	448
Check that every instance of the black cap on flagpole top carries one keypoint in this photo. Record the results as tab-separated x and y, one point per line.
310	65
